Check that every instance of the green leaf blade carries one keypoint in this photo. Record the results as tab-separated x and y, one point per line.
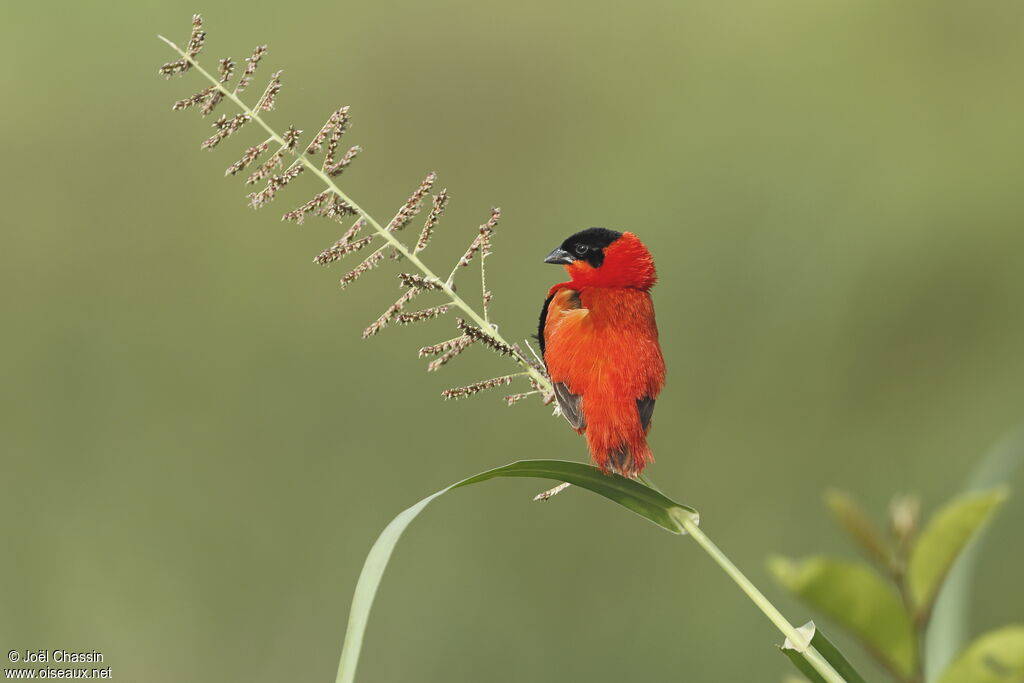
942	541
950	616
855	597
630	494
996	657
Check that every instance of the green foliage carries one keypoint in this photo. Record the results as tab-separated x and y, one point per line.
829	651
949	624
854	596
996	657
944	539
891	620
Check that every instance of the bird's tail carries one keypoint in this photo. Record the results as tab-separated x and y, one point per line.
627	460
617	440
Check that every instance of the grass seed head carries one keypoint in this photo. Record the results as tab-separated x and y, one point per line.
388	315
371	262
248	156
436	211
225	127
420	316
412	204
340	249
477	387
267	194
487	340
460	345
250	67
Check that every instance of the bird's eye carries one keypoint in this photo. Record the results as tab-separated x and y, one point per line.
581	249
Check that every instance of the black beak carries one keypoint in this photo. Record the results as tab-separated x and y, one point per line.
559	257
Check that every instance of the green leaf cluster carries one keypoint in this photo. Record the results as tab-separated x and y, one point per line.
887	603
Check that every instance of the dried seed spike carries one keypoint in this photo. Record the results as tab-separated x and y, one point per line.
487	340
267	99
372	261
353	231
412	204
483	238
299	214
171	68
338	117
547	397
425	314
459	392
225	127
248	156
341	248
350	155
227	68
195	99
266	195
444	346
291	137
463	344
250	68
385	317
195	44
337	209
413	280
274	161
198	37
516	398
215	98
539	367
436	211
332	143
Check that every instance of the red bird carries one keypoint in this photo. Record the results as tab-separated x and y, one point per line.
600	344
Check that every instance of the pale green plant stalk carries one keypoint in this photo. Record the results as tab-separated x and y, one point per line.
541	382
796	639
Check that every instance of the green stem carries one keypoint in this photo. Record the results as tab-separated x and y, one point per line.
814	657
446	286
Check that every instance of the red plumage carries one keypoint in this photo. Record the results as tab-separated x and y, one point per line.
600	344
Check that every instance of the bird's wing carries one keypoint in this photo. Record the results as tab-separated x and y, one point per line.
571	405
645	406
561	300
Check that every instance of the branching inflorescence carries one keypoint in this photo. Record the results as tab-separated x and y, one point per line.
265	163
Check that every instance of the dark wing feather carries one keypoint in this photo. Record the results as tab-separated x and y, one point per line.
571	405
645	406
543	320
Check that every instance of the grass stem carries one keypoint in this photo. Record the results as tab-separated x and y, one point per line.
814	657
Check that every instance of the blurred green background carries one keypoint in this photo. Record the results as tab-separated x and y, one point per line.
199	450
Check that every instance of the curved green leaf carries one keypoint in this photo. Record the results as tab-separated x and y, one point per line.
996	657
628	493
948	531
950	623
855	597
